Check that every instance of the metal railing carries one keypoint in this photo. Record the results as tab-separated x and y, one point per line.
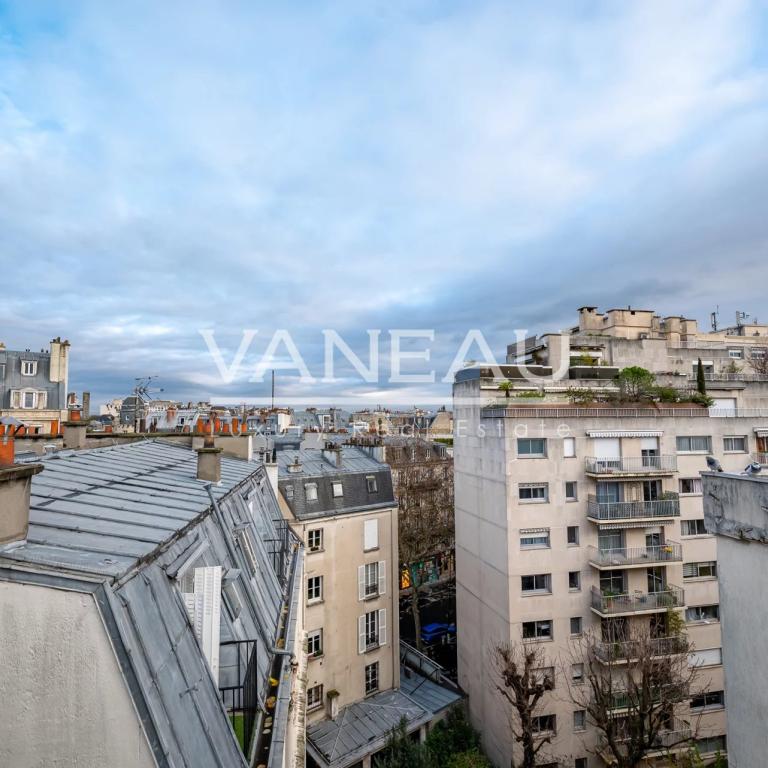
724	376
760	458
598	509
670	597
669	552
241	700
650	464
496	411
626	650
678	735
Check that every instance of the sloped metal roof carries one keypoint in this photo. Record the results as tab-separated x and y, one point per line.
425	692
131	518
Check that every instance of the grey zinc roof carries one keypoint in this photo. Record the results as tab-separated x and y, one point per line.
319	468
426	693
100	511
137	512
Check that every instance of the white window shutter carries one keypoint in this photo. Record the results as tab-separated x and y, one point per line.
15	398
42	399
361	634
382	577
205	605
371	534
383	626
361	582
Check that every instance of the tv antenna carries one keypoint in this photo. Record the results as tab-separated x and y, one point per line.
142	393
740	317
713	318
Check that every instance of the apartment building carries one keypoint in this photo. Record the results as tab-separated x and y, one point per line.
33	386
150	603
576	514
339	501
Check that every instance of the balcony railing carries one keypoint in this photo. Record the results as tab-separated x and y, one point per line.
631	464
636	602
760	458
238	687
500	410
677	736
662	553
626	650
599	509
735	376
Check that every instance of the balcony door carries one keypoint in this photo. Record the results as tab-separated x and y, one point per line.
613	583
610	540
608	452
657	578
649	450
609	493
651	490
654	537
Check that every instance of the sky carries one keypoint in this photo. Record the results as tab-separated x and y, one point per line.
177	167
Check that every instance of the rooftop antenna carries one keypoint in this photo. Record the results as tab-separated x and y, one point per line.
740	317
143	392
713	318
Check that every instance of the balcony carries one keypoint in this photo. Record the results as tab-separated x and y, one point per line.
638	602
601	511
677	737
760	458
631	466
623	557
239	688
622	652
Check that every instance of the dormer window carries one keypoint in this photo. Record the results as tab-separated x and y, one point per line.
28	368
370	482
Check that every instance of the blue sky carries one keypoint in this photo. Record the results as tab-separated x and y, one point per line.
167	167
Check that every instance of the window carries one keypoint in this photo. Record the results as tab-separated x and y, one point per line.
703	613
710	745
533	493
29	399
572	535
577	673
575	626
570	491
372	678
534	538
735	444
532	447
697	444
757	353
736	354
315	539
537	630
371	580
580	720
314	697
703	570
315	643
708	700
310	489
540	583
569	447
372	630
246	547
709	657
314	589
288	490
338	490
574	581
690	485
580	762
370	484
28	367
544	673
693	527
370	535
543	723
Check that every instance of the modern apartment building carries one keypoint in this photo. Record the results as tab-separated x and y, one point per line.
33	386
575	513
339	501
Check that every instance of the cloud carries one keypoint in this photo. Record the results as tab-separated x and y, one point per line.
439	165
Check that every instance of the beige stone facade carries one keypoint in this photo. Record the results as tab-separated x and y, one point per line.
571	517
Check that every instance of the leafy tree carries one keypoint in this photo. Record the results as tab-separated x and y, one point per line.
522	682
635	382
452	736
402	751
472	759
701	383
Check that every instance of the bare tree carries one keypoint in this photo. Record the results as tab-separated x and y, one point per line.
423	484
523	677
633	687
759	364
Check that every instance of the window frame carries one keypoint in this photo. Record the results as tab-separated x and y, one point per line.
697	520
538	578
312	692
530	487
310	491
577	542
695	481
700	565
580	625
743	438
312	636
569	441
575	495
690	439
337	489
579	715
706	706
536	533
371	678
318	580
530	454
371	484
576	580
32	367
312	533
538	636
701	619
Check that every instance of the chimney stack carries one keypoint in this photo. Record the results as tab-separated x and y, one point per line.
86	406
15	491
209	461
74	428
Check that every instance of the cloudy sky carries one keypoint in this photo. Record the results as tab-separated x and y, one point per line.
167	168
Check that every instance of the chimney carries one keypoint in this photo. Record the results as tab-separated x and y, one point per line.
86	405
74	427
269	459
15	488
209	461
